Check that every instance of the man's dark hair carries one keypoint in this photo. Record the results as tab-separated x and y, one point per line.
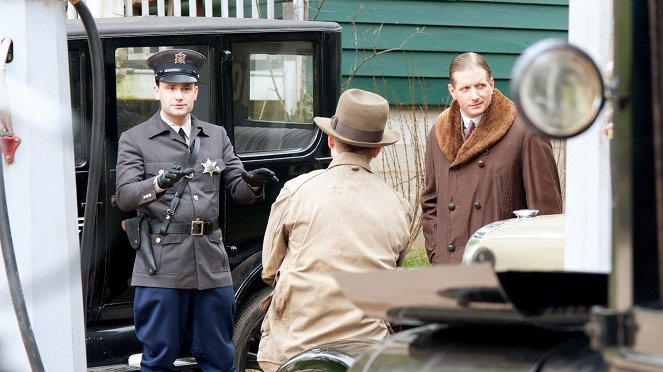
468	61
346	147
157	81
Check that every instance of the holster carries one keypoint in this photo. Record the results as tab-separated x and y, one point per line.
138	232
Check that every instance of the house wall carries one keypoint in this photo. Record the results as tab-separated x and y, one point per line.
424	36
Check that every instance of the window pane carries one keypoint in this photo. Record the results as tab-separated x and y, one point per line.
273	96
78	91
134	83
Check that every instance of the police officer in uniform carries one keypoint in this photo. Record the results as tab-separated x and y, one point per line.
190	293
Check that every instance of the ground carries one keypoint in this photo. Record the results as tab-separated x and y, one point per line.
416	258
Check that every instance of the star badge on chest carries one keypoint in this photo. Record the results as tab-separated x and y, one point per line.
210	167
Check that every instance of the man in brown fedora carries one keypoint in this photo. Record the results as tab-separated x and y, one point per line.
340	219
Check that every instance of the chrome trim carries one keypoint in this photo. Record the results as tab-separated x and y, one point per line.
473	244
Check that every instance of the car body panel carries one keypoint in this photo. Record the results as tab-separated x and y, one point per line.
510	242
330	357
438	347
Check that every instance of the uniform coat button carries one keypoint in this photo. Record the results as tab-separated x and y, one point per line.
158	240
451	206
195	197
451	247
481	164
477	205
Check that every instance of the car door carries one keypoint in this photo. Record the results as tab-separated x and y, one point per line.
273	97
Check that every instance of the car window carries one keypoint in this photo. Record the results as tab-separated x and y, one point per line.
273	96
134	86
79	94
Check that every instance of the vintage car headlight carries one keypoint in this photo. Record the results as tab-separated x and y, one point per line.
558	88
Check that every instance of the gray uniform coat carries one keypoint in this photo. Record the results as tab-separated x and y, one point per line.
183	261
501	167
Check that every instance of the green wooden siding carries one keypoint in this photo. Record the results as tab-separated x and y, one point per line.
432	32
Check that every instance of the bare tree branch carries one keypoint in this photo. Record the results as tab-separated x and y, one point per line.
318	7
375	54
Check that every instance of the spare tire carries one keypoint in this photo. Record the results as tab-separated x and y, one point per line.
246	334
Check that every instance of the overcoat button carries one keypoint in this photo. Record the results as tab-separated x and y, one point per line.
455	167
481	164
451	206
158	240
486	152
355	168
451	247
161	171
195	197
477	205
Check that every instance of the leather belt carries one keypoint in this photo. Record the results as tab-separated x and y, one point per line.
195	228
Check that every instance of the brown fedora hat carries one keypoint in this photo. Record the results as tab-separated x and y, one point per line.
360	120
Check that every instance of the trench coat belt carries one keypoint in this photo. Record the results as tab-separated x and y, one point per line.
193	227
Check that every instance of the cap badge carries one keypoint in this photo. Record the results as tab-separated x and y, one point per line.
180	58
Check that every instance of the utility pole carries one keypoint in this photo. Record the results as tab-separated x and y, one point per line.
41	190
588	206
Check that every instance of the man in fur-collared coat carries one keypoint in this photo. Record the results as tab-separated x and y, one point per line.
482	163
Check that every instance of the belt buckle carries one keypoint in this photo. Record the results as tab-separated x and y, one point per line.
199	226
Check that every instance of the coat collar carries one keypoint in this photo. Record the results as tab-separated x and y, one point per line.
350	158
157	126
494	124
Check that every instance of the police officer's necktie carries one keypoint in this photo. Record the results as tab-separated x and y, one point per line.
469	129
181	132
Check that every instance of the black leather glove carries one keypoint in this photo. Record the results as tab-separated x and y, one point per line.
173	175
259	177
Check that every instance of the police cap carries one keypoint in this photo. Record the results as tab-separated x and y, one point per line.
176	65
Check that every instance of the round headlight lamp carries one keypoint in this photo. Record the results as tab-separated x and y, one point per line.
557	88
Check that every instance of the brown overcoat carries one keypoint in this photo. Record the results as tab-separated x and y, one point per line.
502	167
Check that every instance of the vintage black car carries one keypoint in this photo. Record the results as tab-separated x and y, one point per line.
264	82
547	320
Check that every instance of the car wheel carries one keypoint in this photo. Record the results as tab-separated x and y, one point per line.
246	334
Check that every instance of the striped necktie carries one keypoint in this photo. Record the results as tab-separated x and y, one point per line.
469	129
181	132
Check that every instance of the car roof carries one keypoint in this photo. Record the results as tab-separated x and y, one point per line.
154	26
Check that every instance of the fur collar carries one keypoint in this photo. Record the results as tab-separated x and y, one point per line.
494	124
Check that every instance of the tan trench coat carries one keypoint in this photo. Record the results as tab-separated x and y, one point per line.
502	167
341	219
